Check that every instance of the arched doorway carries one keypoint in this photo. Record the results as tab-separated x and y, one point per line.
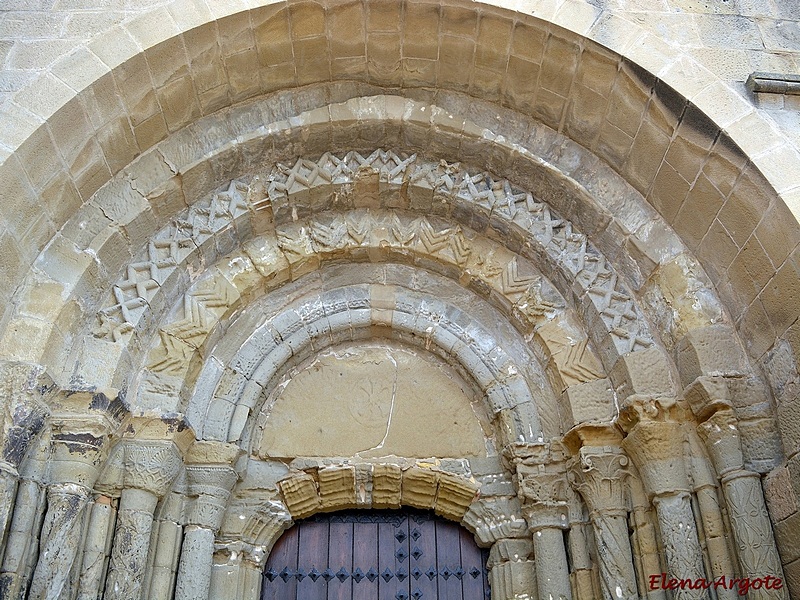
392	555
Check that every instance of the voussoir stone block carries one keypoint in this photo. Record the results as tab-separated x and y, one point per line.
300	495
454	496
643	373
712	350
337	488
387	483
707	394
591	402
419	487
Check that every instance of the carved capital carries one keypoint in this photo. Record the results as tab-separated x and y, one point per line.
267	524
25	390
496	518
209	487
721	435
599	475
541	484
657	449
151	466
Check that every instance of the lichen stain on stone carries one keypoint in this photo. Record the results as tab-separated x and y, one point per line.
80	443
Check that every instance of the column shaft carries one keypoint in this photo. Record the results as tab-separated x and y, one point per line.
617	576
717	545
61	533
250	578
8	493
96	550
681	545
194	572
511	571
131	544
752	532
582	572
552	570
744	498
22	541
165	561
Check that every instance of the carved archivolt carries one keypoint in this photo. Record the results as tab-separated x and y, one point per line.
386	179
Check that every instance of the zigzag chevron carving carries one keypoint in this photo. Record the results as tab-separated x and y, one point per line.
333	179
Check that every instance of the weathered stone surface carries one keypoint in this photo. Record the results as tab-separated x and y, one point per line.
374	401
300	495
61	533
337	488
780	496
164	118
419	487
454	496
511	572
386	486
710	351
591	402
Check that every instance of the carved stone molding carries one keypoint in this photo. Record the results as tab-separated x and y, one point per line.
267	524
310	186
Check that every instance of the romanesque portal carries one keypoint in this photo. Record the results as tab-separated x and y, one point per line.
349	289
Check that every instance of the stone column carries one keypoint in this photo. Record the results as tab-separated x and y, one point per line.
168	535
77	447
211	478
511	570
150	467
647	558
61	533
8	493
250	574
96	548
744	498
22	542
226	570
583	570
656	447
705	486
542	486
24	395
599	475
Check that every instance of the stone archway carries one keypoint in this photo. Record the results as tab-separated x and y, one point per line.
530	241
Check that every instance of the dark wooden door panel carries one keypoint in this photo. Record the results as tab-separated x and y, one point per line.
340	560
423	534
280	582
376	555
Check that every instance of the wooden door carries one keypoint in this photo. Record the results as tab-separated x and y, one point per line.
376	555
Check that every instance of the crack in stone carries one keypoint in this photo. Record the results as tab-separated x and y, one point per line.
391	407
